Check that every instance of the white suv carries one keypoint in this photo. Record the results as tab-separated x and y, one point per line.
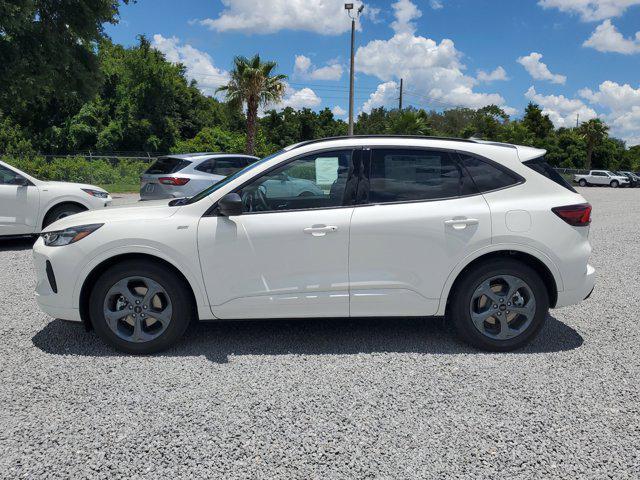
27	205
485	234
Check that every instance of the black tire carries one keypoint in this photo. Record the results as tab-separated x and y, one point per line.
459	307
614	184
61	211
183	309
582	182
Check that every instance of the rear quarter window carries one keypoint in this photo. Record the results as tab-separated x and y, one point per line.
488	176
541	166
167	165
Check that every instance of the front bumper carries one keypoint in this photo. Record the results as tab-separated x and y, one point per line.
577	295
60	304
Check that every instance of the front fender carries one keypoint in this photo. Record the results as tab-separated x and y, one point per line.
185	267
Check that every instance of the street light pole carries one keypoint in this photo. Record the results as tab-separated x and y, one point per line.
349	7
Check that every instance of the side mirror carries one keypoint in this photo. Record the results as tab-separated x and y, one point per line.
230	205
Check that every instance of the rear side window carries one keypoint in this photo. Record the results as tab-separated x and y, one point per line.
222	166
399	175
166	165
488	176
543	168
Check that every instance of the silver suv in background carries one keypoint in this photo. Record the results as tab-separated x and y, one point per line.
178	176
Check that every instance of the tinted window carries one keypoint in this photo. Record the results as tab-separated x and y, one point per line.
315	181
487	176
222	166
543	168
9	177
166	165
398	175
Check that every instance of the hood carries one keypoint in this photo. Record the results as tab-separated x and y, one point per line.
135	212
70	184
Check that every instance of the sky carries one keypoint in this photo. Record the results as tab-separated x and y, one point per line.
577	59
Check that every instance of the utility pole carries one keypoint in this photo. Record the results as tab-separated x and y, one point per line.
400	98
577	120
349	7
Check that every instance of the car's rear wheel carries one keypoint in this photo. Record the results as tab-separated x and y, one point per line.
140	307
61	211
614	184
582	182
499	305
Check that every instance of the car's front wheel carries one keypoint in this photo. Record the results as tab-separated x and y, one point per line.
582	182
140	307
499	305
614	184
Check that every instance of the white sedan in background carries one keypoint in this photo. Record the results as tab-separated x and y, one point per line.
27	205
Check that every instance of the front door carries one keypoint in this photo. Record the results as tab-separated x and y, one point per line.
18	204
422	215
286	256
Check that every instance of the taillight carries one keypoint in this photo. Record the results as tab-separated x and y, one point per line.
576	215
175	181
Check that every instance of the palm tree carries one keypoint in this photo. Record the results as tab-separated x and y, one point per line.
594	132
251	83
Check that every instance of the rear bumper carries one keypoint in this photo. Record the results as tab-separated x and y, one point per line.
577	295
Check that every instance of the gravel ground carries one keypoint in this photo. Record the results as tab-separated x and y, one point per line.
383	398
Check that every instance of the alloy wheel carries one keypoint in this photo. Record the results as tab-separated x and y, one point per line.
137	309
502	307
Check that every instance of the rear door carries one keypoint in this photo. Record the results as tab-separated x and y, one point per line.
420	214
19	203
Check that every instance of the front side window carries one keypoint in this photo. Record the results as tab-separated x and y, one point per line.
9	177
403	175
315	181
488	176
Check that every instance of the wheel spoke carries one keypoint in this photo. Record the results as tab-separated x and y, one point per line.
505	330
163	316
479	318
139	335
112	316
485	289
153	289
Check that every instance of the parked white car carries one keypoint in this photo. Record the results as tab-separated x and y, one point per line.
485	234
27	204
601	177
184	175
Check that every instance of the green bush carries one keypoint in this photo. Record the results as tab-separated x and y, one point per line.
81	169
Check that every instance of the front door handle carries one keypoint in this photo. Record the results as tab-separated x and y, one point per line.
461	223
320	230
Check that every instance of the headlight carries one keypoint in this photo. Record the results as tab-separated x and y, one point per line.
96	193
69	235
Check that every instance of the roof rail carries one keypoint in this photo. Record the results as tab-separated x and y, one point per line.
417	137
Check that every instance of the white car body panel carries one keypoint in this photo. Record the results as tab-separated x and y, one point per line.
602	177
392	259
24	208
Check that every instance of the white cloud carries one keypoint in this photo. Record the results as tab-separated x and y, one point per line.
433	72
607	38
623	105
326	17
199	65
539	70
591	10
615	97
338	111
296	99
436	4
303	68
405	12
499	74
385	95
562	111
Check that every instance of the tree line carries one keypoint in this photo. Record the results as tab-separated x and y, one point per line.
68	88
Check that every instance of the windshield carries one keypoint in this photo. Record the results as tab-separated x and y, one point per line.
209	190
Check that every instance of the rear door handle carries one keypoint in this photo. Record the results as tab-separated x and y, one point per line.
460	223
320	230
